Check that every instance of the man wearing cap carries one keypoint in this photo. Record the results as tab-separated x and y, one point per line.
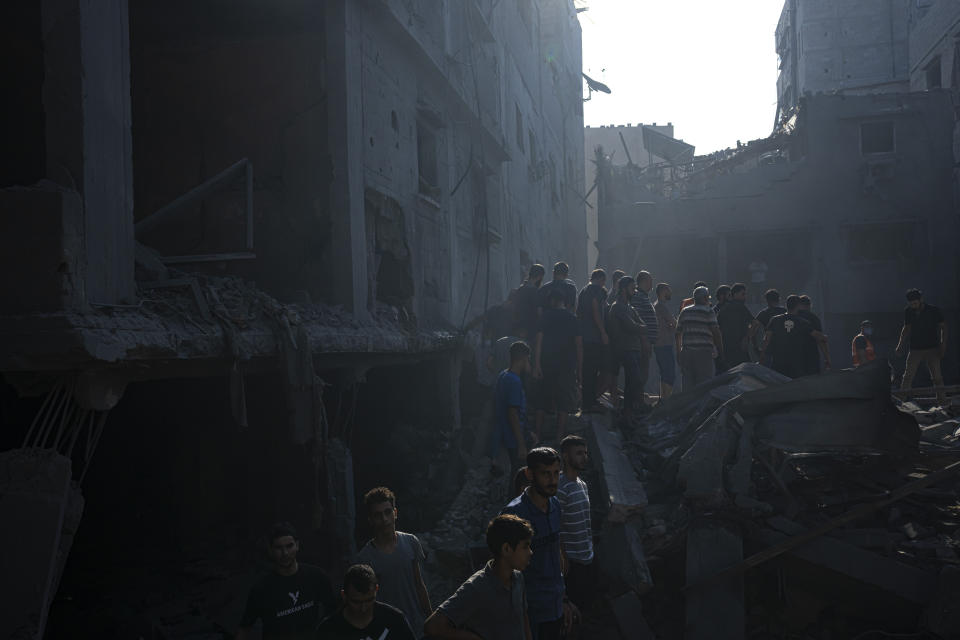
698	337
561	282
925	331
861	348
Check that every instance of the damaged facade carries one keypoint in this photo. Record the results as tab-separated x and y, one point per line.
852	204
240	243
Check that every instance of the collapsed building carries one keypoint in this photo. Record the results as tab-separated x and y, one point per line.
851	202
240	243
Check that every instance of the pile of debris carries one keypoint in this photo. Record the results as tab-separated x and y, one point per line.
808	508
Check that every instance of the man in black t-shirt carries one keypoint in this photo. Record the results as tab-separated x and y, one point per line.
561	282
785	340
737	325
557	363
591	304
362	617
773	309
813	348
292	599
926	332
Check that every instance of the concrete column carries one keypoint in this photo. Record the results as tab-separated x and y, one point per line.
345	122
86	97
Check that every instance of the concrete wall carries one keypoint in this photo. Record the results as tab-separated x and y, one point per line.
850	46
852	230
933	33
497	91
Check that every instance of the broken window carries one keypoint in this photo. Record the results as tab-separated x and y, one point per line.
887	241
427	165
877	137
934	77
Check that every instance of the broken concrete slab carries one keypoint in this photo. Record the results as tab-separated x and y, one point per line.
36	498
620	556
624	492
715	609
628	611
905	581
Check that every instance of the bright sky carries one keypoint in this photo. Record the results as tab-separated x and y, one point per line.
707	66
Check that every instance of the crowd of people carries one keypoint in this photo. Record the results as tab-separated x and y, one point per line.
566	349
540	574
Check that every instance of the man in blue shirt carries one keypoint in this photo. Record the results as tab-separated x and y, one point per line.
510	408
548	609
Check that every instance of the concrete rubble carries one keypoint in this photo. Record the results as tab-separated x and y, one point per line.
796	507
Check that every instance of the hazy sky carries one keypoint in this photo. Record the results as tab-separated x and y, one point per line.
707	66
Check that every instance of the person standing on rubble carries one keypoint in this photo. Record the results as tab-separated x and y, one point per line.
396	557
293	598
641	302
738	326
925	331
557	363
861	347
510	408
590	311
614	282
576	529
772	296
663	348
814	347
548	608
628	339
561	282
492	603
699	340
362	615
785	341
525	317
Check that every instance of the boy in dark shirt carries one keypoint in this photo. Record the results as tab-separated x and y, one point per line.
737	325
814	348
293	598
362	617
492	603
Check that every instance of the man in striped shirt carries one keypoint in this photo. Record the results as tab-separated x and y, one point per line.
698	340
576	531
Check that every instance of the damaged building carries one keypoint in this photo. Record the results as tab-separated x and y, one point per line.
240	243
852	202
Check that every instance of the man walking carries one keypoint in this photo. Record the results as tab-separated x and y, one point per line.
525	315
737	326
557	362
663	349
396	558
628	339
362	616
510	408
698	339
786	341
492	603
576	530
861	347
561	282
548	609
925	331
813	347
293	598
590	311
